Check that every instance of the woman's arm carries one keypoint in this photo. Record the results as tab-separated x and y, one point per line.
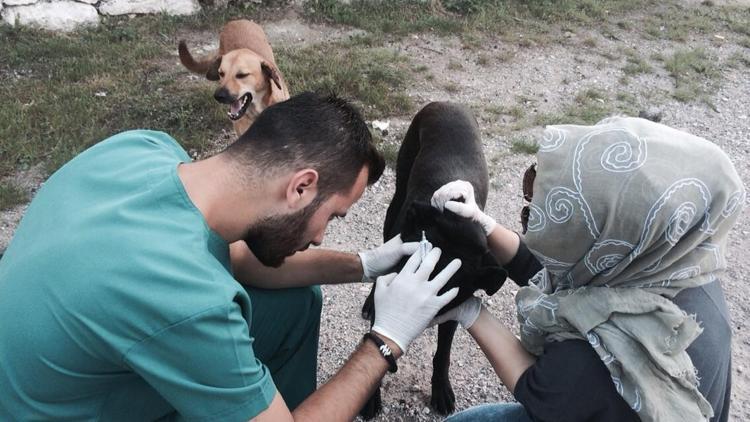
503	244
504	351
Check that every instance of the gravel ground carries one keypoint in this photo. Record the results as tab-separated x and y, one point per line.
549	77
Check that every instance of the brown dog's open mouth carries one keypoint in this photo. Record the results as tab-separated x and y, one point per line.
238	108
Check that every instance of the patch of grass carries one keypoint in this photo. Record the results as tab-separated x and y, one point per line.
514	111
657	57
590	106
471	41
504	56
397	17
11	195
695	74
673	21
523	146
421	68
451	88
589	42
450	17
483	60
590	94
626	98
454	65
609	55
373	77
738	59
636	65
744	42
62	93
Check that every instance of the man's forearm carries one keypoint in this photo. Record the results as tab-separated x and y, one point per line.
504	351
341	398
503	244
313	266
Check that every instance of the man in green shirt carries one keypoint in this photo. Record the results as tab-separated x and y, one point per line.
118	292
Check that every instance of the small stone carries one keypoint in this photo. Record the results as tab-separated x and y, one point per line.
426	410
18	2
170	7
740	369
58	16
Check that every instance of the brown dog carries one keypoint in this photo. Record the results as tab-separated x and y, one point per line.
246	70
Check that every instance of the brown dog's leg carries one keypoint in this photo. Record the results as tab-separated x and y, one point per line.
443	400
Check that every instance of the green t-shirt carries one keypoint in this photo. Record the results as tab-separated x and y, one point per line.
117	300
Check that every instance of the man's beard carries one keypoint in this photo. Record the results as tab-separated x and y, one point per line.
276	237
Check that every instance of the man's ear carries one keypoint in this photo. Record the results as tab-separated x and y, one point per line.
212	74
302	188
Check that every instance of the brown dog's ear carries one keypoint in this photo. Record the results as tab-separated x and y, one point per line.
270	72
213	71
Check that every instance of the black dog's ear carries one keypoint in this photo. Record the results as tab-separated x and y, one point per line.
490	279
424	209
213	71
420	214
490	276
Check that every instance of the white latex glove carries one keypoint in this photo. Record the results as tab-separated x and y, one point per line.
466	313
446	197
406	302
382	259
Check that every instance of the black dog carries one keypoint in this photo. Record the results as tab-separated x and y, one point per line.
441	145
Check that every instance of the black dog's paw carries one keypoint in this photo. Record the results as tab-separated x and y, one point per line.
368	308
443	400
372	407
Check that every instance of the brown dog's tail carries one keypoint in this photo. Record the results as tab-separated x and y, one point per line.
189	62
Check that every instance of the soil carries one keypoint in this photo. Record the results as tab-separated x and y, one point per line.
547	77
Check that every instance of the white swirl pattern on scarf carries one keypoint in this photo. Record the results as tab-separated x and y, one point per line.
604	256
537	220
619	157
552	139
675	230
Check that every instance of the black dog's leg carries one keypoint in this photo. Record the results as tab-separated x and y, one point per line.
443	399
368	308
373	404
372	407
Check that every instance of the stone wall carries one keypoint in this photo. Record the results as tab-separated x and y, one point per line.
67	15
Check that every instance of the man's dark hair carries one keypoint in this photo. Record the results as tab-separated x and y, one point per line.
309	130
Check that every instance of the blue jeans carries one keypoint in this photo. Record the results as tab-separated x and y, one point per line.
500	412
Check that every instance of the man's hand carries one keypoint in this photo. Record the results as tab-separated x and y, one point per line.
406	302
448	197
382	259
466	313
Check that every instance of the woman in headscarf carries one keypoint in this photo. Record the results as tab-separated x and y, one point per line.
621	312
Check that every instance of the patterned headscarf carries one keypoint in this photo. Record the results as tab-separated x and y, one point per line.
626	214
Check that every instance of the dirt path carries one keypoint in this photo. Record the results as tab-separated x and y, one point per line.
538	80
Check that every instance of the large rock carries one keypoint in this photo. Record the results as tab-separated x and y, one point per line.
56	16
171	7
18	2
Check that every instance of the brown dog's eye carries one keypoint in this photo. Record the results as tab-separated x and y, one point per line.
241	75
